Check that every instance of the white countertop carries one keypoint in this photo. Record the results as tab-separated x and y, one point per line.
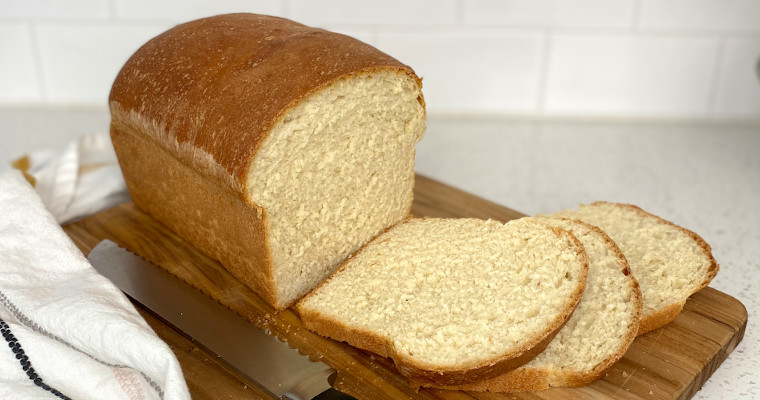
704	176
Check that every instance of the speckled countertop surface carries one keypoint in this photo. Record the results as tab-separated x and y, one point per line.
704	176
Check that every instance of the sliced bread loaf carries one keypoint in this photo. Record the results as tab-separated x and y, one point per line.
669	262
453	301
275	148
600	330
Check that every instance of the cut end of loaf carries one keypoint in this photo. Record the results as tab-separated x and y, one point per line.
453	300
335	171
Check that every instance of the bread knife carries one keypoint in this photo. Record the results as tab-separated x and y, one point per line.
256	357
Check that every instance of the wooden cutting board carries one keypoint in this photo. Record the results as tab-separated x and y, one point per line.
668	363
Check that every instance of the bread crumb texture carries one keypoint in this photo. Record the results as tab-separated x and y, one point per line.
669	262
598	333
453	293
606	319
336	171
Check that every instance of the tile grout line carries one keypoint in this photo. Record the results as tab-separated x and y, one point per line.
717	78
459	20
544	72
37	56
636	21
285	8
112	11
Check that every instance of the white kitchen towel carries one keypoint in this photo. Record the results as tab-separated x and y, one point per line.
80	180
67	331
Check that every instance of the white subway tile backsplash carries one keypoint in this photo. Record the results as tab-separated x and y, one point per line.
630	75
54	9
467	72
81	62
18	80
648	58
727	15
192	9
549	13
739	90
387	12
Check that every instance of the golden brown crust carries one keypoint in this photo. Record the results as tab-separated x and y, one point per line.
158	184
210	90
668	313
660	318
423	375
527	379
363	339
442	378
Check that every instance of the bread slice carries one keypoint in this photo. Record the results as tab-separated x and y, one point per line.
453	301
275	148
600	330
670	262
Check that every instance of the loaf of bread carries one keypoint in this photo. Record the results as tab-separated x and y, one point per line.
275	148
669	262
453	301
600	330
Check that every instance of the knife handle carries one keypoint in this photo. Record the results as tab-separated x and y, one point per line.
318	387
333	394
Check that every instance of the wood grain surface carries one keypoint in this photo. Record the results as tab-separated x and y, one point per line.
668	363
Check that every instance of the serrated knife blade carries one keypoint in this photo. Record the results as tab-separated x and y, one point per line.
256	356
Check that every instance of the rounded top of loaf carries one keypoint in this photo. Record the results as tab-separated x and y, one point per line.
210	90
